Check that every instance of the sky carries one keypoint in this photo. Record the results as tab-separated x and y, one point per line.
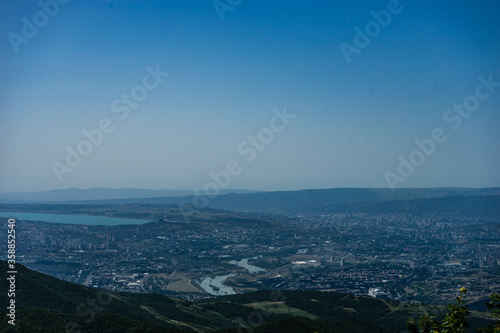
260	95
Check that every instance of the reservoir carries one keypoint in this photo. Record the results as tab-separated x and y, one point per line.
71	219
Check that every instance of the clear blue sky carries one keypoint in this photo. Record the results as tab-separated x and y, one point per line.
353	120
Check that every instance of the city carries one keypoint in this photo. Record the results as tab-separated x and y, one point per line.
407	257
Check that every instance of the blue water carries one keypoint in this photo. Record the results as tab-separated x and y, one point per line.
71	219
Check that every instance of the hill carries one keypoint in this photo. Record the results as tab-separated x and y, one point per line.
99	193
369	200
46	304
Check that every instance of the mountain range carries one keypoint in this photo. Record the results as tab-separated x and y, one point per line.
315	201
100	193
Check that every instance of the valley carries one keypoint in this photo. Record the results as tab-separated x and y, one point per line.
419	258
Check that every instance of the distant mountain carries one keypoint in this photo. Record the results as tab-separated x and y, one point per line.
46	304
350	200
484	201
488	205
409	200
76	194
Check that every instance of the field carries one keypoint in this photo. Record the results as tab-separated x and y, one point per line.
171	282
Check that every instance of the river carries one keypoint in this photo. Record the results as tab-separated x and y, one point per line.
214	285
250	268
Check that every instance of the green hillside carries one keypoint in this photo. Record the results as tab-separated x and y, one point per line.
46	304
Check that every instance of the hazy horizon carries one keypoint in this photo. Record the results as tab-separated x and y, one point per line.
251	95
226	190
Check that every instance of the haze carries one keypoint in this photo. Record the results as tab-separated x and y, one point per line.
231	71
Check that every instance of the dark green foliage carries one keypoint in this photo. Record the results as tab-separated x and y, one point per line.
50	304
494	306
229	310
456	320
46	304
332	306
306	325
45	321
256	296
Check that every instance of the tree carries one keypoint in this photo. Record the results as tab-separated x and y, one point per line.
456	318
494	306
426	323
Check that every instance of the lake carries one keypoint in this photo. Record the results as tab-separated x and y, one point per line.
71	219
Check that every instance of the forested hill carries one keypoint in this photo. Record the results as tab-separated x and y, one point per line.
46	304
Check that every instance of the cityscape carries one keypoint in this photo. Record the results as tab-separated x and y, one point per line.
228	166
406	257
